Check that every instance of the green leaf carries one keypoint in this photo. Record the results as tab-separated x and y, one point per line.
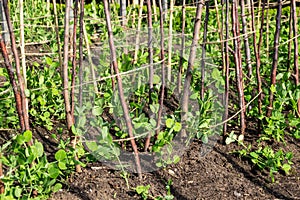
152	122
27	93
177	127
62	165
279	76
73	129
18	191
48	60
286	168
194	96
92	146
156	79
53	172
216	74
60	155
27	154
273	89
57	187
97	111
40	149
241	138
169	123
160	136
176	159
204	125
204	138
47	114
142	189
36	64
20	139
159	164
231	138
254	155
27	136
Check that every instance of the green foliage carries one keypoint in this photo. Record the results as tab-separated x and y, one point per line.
44	92
267	158
27	171
264	157
144	192
8	117
27	167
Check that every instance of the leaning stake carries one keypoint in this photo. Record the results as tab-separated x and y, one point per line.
120	88
188	76
275	57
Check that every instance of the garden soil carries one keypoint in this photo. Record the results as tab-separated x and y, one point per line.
218	175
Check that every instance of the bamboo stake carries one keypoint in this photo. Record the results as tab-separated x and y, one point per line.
124	22
258	12
249	6
226	98
261	26
81	51
204	49
13	82
22	50
154	10
246	42
220	31
92	66
18	71
267	29
120	88
74	55
162	58
170	38
180	70
275	57
150	50
188	77
238	65
290	38
5	32
57	35
137	41
75	138
69	116
296	55
257	58
164	7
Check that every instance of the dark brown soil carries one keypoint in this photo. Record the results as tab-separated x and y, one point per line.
218	175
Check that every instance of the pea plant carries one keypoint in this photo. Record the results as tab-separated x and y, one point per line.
139	97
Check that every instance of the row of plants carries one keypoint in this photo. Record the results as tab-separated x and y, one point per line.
28	173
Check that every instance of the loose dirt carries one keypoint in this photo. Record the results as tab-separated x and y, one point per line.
218	175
